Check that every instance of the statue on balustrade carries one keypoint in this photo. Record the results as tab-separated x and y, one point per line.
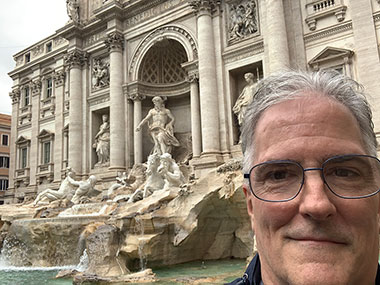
160	123
72	7
245	97
84	188
102	143
66	190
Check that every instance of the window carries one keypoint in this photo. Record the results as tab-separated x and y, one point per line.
24	157
26	96
49	87
46	153
4	162
4	140
3	184
27	57
49	47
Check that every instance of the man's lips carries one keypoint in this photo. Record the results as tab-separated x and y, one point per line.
313	240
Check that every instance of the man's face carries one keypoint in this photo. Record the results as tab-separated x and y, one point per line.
316	238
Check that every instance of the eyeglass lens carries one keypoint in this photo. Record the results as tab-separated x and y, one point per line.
348	176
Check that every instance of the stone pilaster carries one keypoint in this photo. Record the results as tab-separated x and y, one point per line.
195	115
207	76
59	93
367	53
74	61
34	154
137	117
276	36
15	96
115	43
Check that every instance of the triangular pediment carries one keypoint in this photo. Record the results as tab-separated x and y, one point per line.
45	133
22	140
329	53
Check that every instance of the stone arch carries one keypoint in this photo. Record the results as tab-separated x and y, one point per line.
173	32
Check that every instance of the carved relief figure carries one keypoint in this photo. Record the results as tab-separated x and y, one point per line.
100	74
160	123
65	189
72	7
243	21
245	97
102	143
84	188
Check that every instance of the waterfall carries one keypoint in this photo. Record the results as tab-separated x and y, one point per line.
83	262
139	231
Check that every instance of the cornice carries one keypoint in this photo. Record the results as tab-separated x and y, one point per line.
328	32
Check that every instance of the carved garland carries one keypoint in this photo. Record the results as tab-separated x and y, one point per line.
159	33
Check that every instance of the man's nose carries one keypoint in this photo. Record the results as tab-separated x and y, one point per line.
316	200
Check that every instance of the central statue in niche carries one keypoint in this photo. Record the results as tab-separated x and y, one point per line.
160	123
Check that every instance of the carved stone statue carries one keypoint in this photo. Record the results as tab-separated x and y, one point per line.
170	172
243	20
100	74
245	97
121	179
84	188
66	189
72	7
154	180
102	143
161	127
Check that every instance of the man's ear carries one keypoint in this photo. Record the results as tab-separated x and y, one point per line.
249	201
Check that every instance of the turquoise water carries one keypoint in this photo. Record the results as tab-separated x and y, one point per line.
207	272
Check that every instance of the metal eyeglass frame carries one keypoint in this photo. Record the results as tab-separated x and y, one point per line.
247	175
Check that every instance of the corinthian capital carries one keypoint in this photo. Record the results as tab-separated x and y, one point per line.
75	58
136	97
204	5
114	40
15	95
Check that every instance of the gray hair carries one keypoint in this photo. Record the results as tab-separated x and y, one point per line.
287	85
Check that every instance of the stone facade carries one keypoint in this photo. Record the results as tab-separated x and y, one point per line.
113	57
5	135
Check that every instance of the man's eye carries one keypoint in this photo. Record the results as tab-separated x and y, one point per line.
344	172
278	175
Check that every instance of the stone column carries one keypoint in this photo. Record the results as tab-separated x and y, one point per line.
115	43
15	96
276	36
75	60
34	155
137	117
195	115
59	93
207	76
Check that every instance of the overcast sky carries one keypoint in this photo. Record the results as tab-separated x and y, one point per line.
23	23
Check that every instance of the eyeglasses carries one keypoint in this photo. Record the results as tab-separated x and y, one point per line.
351	176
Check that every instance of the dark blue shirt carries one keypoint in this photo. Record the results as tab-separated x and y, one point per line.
252	275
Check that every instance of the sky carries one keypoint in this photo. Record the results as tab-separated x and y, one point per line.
23	23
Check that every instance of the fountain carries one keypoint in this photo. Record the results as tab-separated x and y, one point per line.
158	214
